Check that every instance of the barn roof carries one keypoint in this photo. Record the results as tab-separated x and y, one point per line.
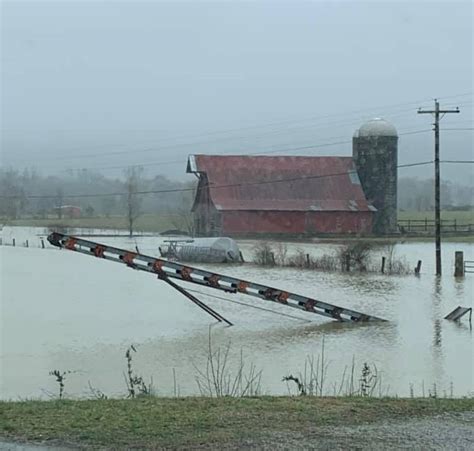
281	183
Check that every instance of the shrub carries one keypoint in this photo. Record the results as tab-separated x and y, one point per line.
263	254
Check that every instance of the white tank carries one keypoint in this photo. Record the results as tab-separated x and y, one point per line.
205	250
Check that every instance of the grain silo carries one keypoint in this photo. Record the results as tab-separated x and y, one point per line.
375	152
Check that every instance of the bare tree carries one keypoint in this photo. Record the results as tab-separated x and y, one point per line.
133	180
59	202
11	186
182	219
182	216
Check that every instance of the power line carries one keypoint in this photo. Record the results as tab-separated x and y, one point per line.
373	110
292	149
133	151
459	128
182	190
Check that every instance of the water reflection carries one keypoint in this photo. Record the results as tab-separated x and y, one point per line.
437	303
437	335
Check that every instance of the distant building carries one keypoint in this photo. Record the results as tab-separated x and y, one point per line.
241	195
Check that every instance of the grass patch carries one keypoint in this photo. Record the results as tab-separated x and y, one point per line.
145	223
189	422
461	216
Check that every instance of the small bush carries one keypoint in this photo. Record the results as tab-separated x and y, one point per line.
264	255
281	252
355	256
395	265
323	263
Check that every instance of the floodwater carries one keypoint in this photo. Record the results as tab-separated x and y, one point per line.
70	312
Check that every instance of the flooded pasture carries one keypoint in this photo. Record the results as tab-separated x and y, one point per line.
64	311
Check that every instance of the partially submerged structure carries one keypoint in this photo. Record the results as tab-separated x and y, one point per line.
240	195
202	250
167	270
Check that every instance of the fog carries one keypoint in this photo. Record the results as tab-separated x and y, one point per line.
104	85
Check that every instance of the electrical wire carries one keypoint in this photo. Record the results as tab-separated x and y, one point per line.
249	305
339	114
288	150
458	128
231	185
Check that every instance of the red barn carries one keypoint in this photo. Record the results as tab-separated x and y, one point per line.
261	195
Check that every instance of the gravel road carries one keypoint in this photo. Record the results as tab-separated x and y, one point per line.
445	432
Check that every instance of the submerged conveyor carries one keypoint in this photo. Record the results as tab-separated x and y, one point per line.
167	270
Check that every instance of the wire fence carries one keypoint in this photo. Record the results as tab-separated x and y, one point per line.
428	226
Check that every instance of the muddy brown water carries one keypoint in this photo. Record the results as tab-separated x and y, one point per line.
64	311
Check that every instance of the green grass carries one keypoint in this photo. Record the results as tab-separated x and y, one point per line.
145	223
461	217
189	422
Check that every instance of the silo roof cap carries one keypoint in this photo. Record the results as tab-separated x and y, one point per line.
376	127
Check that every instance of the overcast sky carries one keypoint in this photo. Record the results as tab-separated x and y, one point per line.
108	84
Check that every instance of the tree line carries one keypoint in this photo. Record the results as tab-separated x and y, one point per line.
418	195
16	187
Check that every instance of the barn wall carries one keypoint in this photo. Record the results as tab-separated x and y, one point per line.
295	222
207	220
339	222
249	222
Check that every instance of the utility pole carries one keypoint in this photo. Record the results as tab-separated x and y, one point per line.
437	112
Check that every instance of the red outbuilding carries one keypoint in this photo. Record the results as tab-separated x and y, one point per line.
263	195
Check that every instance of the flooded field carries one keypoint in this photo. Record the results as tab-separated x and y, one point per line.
64	311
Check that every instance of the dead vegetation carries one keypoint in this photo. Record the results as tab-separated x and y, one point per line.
359	257
136	385
220	378
264	254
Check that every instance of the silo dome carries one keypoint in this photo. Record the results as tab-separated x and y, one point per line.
376	127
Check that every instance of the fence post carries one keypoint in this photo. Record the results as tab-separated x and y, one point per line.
458	264
13	242
307	260
42	243
418	268
26	244
382	270
272	256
